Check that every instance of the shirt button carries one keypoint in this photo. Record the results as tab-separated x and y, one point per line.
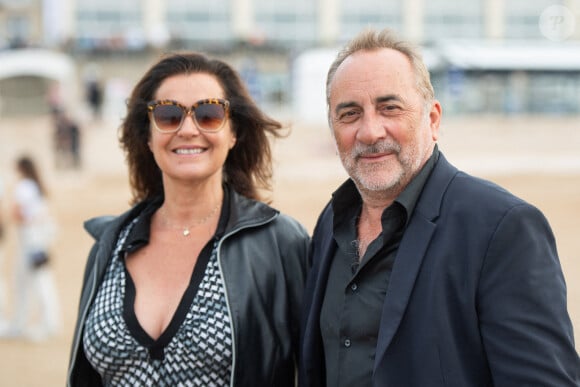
347	343
354	287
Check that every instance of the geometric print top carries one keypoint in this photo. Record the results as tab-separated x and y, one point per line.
195	349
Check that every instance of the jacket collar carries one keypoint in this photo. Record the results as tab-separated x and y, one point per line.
411	252
243	212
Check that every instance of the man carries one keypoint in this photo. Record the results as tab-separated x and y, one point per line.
421	274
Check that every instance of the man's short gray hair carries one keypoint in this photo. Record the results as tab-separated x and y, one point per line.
369	40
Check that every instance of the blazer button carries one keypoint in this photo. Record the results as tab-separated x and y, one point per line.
354	287
347	343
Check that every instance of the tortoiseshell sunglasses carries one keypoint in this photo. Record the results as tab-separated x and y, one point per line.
209	114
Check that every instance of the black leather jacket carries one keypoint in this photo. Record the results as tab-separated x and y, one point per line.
262	257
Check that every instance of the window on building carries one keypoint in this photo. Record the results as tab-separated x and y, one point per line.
199	20
18	30
448	19
110	24
287	22
360	14
523	17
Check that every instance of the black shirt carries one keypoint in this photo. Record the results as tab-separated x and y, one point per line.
356	289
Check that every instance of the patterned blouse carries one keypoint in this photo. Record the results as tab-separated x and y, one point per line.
194	350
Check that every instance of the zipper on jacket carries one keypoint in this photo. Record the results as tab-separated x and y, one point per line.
78	336
219	246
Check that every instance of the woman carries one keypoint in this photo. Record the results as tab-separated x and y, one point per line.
36	232
200	283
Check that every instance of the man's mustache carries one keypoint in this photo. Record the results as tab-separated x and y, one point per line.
363	150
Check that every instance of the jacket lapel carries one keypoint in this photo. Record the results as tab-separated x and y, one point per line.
313	357
409	257
412	251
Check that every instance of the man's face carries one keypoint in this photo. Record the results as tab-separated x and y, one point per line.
384	129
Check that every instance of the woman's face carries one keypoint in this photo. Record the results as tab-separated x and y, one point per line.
190	155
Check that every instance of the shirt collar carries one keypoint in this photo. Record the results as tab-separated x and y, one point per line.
139	233
410	195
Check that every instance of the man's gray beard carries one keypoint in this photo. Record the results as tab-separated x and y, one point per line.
360	178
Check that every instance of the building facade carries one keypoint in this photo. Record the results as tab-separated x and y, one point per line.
484	55
288	23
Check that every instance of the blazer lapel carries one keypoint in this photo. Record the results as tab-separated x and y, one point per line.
312	352
320	280
412	251
409	257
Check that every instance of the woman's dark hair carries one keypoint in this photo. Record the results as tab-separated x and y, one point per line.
248	166
27	168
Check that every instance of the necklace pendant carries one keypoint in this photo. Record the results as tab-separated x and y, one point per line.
185	232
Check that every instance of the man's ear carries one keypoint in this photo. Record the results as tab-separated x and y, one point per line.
435	119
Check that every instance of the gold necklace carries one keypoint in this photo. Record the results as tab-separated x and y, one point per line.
185	229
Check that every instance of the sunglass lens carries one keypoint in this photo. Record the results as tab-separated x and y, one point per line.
168	117
210	116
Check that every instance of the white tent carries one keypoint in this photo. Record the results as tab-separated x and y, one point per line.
41	63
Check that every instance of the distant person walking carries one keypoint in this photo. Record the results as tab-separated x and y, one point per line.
94	97
34	281
67	140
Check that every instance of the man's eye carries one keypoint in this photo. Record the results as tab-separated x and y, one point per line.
389	108
348	116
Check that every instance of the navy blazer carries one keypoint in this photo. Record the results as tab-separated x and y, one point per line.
476	297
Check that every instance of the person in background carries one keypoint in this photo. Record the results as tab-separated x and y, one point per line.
94	97
423	275
200	282
67	140
34	281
